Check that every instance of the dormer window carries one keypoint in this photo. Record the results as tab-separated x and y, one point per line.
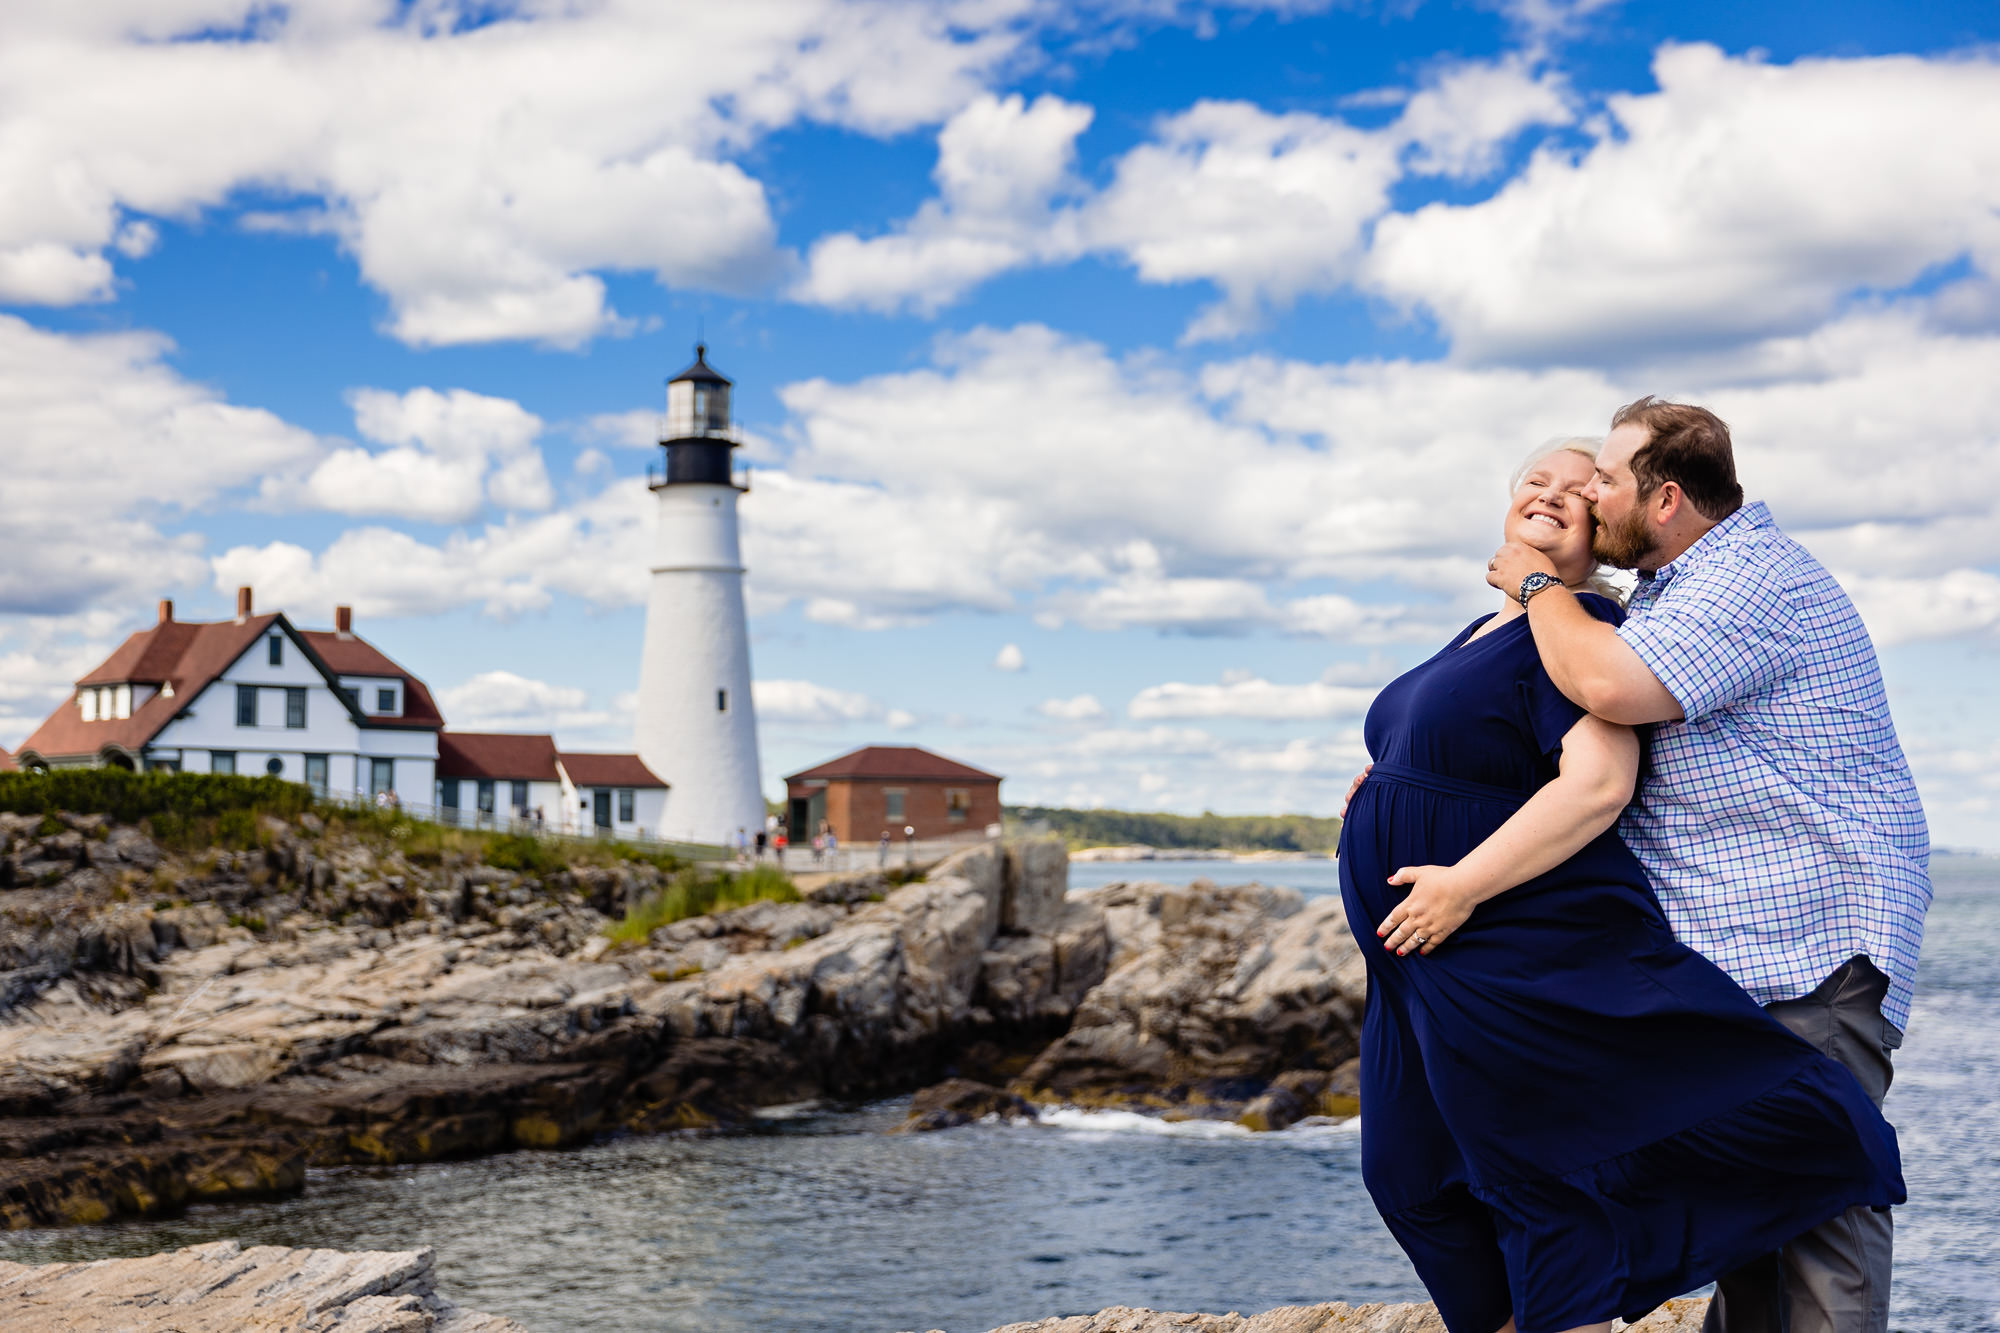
86	703
385	701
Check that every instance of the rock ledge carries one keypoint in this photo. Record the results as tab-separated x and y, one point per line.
223	1287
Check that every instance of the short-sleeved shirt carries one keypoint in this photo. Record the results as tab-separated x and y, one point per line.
1778	822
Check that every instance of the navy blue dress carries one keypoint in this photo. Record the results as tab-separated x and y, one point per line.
1566	1115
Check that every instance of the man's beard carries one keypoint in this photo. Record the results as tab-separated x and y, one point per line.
1624	545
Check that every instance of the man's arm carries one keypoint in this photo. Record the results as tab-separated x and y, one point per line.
1583	655
1593	666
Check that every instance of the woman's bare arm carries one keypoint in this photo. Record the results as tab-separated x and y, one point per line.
1599	765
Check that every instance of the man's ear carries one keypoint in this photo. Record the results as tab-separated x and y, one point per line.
1667	502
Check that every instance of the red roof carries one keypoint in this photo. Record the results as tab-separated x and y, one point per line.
345	655
609	770
901	762
7	764
473	754
189	655
184	655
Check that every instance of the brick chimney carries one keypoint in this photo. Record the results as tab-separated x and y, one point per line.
343	621
166	610
242	605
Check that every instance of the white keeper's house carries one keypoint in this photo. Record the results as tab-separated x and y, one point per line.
258	695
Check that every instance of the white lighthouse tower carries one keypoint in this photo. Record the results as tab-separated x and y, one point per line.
697	726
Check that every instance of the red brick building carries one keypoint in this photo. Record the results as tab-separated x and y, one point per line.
892	787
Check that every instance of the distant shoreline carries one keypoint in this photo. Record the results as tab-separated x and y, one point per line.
1143	852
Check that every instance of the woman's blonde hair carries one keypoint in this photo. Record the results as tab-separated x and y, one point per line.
1603	580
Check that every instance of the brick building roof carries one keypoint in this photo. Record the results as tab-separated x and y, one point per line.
906	763
514	758
609	770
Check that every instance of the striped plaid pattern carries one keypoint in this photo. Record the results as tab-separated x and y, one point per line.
1779	822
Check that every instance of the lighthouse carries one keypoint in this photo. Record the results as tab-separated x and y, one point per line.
697	726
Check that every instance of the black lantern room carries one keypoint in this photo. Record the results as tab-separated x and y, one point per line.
699	437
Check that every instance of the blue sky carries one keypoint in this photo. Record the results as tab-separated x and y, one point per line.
1183	348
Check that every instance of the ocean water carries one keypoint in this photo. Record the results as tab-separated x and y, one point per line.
821	1223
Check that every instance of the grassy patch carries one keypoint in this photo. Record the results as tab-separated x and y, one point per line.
696	892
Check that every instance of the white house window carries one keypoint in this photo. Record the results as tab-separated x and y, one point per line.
86	703
485	796
295	705
275	766
316	773
518	797
122	696
385	701
353	693
246	705
277	650
625	805
381	776
892	802
222	761
448	793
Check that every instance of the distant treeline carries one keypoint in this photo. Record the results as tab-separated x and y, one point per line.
1112	828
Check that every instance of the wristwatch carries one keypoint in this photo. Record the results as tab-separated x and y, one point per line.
1534	583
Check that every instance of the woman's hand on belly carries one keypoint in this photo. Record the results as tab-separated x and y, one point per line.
1439	901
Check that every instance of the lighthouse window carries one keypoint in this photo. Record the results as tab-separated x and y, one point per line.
722	701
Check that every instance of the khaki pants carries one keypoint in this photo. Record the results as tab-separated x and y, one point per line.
1835	1278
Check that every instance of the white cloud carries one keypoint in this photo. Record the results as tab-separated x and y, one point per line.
1251	698
1265	206
481	174
1941	606
449	455
1081	708
504	701
101	439
1009	658
803	701
1001	163
1741	200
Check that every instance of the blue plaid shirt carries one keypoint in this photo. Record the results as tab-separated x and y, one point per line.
1778	822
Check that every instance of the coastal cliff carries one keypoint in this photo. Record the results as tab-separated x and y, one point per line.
183	1028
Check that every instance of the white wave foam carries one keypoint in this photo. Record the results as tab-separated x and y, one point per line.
1104	1124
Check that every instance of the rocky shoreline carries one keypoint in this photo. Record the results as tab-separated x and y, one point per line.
182	1028
223	1287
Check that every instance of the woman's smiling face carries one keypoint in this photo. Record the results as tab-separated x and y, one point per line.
1549	513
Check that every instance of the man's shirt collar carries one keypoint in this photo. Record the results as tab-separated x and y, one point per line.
1746	519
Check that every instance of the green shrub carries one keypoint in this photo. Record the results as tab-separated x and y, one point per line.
694	891
128	797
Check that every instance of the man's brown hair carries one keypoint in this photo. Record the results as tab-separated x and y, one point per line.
1689	446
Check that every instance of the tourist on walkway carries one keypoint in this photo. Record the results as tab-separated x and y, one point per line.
1570	1116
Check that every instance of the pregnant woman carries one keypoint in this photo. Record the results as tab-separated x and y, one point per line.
1566	1115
